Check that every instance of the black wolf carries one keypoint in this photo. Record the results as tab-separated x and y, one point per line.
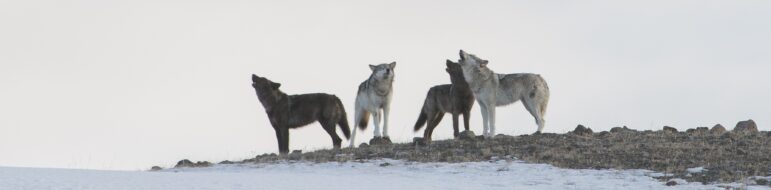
294	111
455	98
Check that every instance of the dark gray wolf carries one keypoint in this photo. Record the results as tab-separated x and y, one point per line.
374	98
491	90
294	111
455	98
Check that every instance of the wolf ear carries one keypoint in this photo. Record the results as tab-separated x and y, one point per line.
449	63
392	65
254	78
372	67
483	63
462	55
276	85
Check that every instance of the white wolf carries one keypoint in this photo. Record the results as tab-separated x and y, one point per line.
491	90
374	97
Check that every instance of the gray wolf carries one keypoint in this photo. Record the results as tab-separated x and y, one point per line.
455	98
374	98
294	111
491	90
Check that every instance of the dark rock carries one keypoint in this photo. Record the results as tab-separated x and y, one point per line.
621	129
156	168
717	130
363	145
296	155
184	163
380	141
385	164
746	127
581	130
226	162
671	183
467	136
670	129
418	141
761	181
604	134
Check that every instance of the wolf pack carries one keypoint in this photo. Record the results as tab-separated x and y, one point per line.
470	79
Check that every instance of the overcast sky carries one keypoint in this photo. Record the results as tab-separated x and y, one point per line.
131	84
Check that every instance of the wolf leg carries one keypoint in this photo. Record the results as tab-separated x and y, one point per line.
483	109
432	125
386	110
466	115
535	110
280	141
376	122
455	127
283	144
330	128
491	118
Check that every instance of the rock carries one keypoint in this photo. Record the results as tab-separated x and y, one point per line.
698	130
746	127
621	129
363	145
604	134
670	129
581	130
761	181
184	163
156	168
717	129
671	183
467	135
385	164
380	141
296	155
486	152
418	141
226	162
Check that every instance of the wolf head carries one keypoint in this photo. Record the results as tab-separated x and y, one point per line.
473	67
267	91
383	71
456	73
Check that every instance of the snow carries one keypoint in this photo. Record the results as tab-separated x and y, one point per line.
695	170
337	176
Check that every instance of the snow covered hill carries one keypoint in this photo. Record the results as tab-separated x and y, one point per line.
375	174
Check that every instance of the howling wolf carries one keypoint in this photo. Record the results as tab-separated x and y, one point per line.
455	98
374	96
294	111
491	90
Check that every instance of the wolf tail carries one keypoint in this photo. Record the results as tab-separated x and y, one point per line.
344	126
421	120
344	120
363	119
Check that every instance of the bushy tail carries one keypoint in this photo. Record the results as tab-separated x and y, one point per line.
364	119
421	120
344	126
344	121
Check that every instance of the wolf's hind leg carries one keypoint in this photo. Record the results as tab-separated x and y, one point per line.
330	128
535	110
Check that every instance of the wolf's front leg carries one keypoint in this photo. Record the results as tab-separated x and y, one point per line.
376	115
485	124
386	110
491	116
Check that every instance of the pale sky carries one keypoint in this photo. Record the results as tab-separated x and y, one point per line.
131	84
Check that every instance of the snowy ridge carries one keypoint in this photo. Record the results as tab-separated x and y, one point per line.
375	174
